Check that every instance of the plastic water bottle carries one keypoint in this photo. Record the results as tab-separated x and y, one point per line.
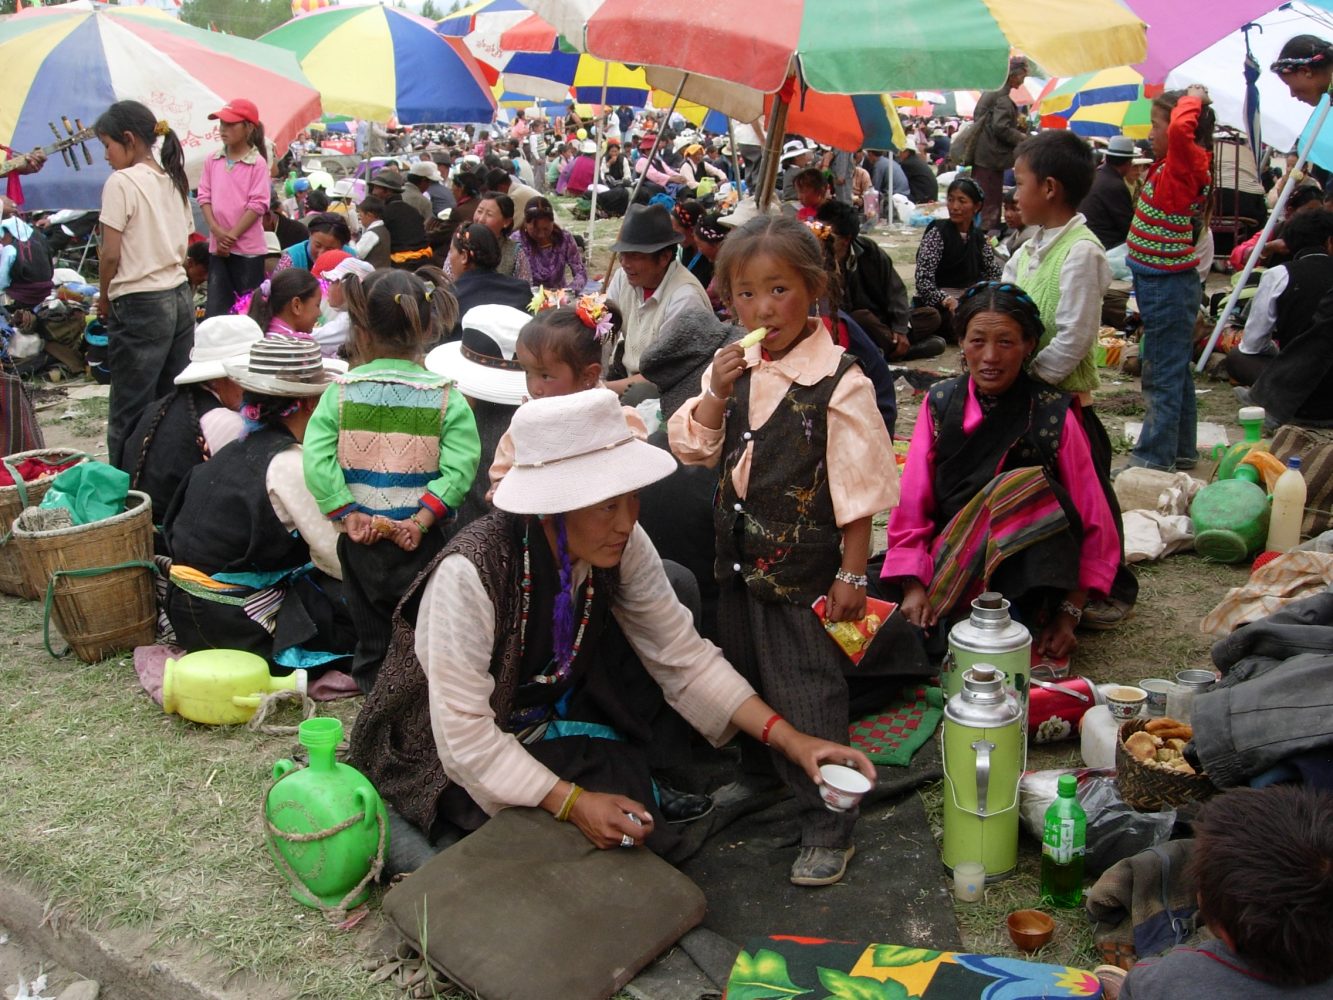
1063	843
1284	523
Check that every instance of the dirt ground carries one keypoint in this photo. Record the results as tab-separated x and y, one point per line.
129	818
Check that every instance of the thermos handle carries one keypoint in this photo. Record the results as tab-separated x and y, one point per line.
983	750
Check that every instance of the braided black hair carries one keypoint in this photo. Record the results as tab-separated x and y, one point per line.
205	452
999	297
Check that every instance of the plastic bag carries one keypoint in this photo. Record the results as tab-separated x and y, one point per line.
1115	830
92	491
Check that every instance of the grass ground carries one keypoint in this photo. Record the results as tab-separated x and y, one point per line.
124	816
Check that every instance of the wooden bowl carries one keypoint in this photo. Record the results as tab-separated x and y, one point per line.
1030	929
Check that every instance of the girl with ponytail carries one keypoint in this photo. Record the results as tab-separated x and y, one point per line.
390	452
145	297
234	193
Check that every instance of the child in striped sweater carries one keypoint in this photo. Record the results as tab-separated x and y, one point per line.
1163	258
390	452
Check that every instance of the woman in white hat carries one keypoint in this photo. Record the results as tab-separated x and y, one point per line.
192	422
255	562
506	683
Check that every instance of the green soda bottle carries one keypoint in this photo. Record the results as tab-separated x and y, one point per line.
1063	842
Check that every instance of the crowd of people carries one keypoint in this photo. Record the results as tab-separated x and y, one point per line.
407	435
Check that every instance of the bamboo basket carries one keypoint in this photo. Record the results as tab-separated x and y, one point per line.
1153	789
13	500
97	578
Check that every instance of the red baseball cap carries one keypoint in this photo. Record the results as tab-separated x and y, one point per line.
238	109
327	261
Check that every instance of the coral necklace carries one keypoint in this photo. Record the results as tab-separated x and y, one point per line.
563	664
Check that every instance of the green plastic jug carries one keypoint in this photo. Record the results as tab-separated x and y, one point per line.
1230	520
327	828
1229	459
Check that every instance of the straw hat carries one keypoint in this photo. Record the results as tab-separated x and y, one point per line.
575	451
218	341
272	245
282	366
483	362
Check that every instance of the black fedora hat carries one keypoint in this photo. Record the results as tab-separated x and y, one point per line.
646	229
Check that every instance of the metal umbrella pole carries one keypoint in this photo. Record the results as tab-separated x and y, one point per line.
597	160
638	183
1263	239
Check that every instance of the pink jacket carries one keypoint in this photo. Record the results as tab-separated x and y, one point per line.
912	528
231	191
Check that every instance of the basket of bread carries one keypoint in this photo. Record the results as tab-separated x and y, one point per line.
1151	770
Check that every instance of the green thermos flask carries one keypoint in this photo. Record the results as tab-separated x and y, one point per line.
990	636
984	753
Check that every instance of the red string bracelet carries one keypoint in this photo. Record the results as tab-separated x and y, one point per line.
768	728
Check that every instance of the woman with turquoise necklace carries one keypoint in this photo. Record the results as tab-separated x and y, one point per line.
530	660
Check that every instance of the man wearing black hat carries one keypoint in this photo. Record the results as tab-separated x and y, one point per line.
650	287
408	246
1109	206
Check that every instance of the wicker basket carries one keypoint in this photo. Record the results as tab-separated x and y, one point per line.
109	606
1152	789
13	499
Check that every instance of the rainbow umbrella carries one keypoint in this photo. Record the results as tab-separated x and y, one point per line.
480	25
851	46
561	70
1106	103
62	61
373	62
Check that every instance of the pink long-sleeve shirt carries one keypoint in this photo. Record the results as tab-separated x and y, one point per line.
231	189
912	527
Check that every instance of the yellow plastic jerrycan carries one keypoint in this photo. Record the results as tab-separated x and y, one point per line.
221	687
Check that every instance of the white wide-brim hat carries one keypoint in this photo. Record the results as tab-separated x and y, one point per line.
576	451
219	341
482	363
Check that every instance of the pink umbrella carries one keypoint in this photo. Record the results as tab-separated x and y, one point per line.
1177	31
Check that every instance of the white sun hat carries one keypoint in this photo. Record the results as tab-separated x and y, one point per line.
482	363
575	451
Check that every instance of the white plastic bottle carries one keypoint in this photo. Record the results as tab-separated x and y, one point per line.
1284	523
1097	732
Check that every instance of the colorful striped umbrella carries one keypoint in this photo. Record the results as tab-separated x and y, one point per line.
373	62
61	61
851	46
1106	103
561	70
480	25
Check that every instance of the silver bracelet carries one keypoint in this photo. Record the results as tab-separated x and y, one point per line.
842	576
709	389
1073	612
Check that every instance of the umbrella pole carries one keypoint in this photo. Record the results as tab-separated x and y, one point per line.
735	171
1273	217
597	161
777	127
657	142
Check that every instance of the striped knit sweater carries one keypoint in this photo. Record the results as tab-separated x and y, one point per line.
1174	194
390	438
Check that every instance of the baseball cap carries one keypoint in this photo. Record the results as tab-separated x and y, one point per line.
238	109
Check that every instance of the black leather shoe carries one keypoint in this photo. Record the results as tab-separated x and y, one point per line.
682	807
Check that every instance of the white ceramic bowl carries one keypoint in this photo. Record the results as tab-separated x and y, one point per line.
843	787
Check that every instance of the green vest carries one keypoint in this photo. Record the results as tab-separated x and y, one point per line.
1043	286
